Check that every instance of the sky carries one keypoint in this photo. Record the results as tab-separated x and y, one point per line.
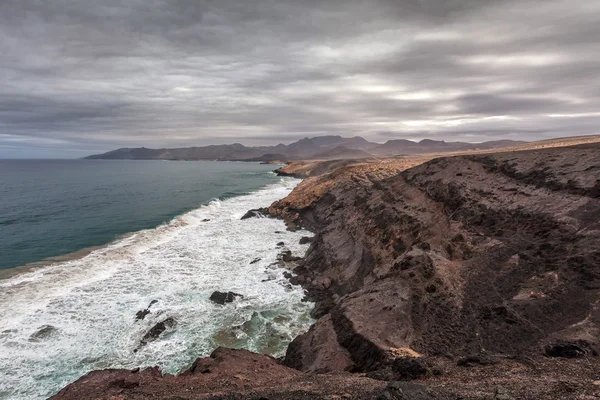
79	77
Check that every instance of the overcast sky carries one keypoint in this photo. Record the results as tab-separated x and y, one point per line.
87	76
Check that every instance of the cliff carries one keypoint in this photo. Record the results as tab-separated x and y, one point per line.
478	276
488	257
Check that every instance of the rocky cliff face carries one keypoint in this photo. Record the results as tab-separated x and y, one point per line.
469	257
478	275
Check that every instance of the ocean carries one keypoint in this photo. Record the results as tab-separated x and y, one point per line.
85	245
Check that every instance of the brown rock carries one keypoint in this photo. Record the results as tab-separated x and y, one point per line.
318	350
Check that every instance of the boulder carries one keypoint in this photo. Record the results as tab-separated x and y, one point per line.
306	240
158	330
409	368
140	315
224	297
287	256
574	349
318	350
43	332
255	213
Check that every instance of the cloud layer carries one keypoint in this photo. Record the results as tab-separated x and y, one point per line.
82	76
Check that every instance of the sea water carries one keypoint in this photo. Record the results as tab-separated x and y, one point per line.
63	319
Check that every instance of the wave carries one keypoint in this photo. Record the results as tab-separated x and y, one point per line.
67	318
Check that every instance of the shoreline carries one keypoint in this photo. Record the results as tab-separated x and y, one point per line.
176	265
436	283
8	273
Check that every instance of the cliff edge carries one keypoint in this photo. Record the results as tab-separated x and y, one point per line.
468	277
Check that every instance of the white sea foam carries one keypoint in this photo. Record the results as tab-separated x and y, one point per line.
92	302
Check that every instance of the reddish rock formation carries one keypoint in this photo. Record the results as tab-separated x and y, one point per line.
226	374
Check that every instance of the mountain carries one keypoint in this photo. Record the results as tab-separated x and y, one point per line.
342	152
403	146
321	147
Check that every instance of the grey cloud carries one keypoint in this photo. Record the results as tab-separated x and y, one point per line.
98	75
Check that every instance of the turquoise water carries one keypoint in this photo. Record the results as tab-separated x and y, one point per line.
55	207
184	239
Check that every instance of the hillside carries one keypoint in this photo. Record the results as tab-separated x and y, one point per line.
407	147
322	147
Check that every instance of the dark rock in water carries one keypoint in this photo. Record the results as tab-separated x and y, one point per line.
287	256
255	260
43	332
157	330
140	315
306	240
294	280
256	213
224	297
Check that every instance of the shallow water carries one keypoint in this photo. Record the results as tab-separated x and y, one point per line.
62	320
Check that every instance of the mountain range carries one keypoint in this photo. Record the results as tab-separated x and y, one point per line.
321	147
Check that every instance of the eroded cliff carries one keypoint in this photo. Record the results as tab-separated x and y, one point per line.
478	275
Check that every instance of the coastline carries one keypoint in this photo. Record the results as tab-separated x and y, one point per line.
112	278
7	273
423	278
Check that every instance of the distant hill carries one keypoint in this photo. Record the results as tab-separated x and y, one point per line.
342	152
321	147
403	146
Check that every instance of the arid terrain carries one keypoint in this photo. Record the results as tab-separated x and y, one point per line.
471	276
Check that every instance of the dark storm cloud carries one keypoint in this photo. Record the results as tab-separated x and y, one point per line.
81	76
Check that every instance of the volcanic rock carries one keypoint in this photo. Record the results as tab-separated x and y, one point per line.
224	297
157	330
43	332
456	256
226	374
305	240
287	257
140	315
256	213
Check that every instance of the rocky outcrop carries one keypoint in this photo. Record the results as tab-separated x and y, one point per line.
226	374
157	330
224	297
140	315
43	333
256	213
486	254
